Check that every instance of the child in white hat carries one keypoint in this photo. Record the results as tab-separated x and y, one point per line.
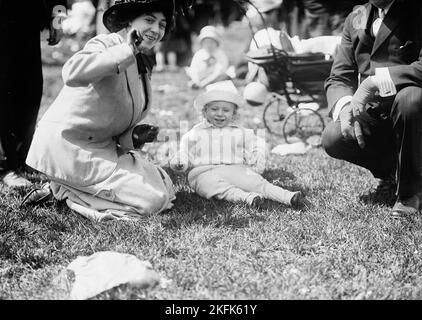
210	63
226	159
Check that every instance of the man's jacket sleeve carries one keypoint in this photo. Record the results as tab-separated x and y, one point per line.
343	80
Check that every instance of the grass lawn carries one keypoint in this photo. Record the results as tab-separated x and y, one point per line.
346	247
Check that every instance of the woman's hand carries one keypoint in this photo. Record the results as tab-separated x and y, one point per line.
55	35
144	133
134	40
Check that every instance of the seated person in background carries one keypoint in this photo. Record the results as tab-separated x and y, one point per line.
210	63
226	158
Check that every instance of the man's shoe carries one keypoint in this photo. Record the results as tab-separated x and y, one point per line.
299	201
404	208
14	180
38	196
387	185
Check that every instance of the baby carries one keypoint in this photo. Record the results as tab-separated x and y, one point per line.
210	63
226	158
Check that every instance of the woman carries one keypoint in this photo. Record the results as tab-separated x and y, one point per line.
85	141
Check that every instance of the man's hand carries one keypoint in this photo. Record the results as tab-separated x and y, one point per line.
364	94
351	128
144	133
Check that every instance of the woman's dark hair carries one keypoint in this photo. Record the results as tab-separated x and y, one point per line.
127	15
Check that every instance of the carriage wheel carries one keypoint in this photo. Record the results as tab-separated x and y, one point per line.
302	124
274	113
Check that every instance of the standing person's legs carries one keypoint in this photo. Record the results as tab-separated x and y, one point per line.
20	93
160	59
172	60
3	100
29	104
102	6
317	18
2	159
20	96
6	33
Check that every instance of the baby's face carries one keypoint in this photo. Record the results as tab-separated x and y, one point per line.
219	113
210	45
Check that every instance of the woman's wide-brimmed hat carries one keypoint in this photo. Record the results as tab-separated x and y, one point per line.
219	91
115	17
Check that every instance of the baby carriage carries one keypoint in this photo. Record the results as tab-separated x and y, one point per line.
296	83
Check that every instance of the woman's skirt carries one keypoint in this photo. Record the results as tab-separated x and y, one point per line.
134	190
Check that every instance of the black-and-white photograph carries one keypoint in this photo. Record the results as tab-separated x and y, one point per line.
210	150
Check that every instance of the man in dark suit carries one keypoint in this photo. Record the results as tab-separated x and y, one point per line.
21	79
375	95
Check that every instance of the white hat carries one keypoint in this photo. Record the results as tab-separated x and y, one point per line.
255	93
209	32
219	91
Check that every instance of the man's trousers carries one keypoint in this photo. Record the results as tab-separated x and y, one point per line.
394	146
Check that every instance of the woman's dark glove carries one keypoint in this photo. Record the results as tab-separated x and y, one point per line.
144	133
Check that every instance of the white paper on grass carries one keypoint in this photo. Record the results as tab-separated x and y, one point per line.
291	148
105	270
